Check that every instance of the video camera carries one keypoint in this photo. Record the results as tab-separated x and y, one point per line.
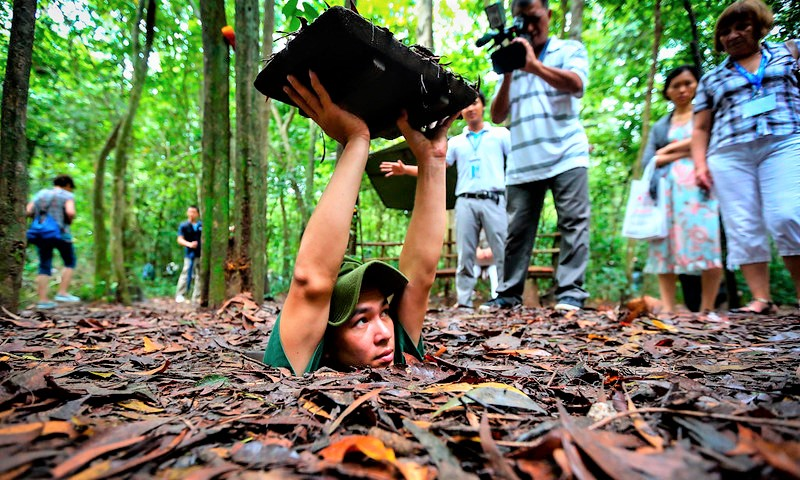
508	56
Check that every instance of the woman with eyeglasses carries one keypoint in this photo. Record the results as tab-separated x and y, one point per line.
746	147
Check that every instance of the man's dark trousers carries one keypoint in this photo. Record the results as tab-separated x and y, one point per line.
571	198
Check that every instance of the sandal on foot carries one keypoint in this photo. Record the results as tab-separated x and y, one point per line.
768	309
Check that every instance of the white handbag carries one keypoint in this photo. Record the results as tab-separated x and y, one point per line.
646	219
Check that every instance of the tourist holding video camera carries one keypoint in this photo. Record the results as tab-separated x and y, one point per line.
549	151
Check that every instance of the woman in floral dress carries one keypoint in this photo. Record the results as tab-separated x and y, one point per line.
692	244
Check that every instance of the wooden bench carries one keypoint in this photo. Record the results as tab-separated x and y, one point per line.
544	262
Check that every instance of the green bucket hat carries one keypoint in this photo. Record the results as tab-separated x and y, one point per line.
382	276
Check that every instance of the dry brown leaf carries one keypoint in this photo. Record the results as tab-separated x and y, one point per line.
174	348
151	346
315	409
59	427
528	352
412	470
720	368
20	433
664	326
16	472
88	454
350	408
159	369
369	446
502	468
139	406
98	470
784	457
643	427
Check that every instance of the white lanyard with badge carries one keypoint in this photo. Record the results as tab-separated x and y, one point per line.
475	139
761	102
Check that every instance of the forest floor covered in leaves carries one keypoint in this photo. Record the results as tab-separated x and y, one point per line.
161	390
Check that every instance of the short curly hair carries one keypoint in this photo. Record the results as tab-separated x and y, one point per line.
754	10
64	181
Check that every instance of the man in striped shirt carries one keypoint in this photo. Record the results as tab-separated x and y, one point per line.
549	151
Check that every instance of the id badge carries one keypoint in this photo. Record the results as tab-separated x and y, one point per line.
474	168
759	105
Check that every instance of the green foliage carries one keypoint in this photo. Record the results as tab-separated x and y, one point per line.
787	17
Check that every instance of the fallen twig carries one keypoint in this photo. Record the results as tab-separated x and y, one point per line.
776	422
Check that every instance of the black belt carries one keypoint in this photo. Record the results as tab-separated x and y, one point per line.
484	195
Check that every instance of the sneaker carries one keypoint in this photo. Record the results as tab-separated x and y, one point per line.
180	299
66	298
463	308
46	305
567	304
498	303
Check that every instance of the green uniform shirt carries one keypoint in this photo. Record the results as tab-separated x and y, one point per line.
275	356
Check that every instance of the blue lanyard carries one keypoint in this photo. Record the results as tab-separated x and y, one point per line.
758	78
472	137
544	50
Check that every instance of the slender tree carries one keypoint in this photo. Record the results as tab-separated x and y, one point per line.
14	152
310	163
694	45
576	20
250	165
216	151
658	29
290	156
102	265
425	23
139	57
268	28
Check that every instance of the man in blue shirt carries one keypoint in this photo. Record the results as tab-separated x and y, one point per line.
479	154
189	233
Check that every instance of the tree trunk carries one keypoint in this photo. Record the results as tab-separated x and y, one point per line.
576	20
564	7
425	23
290	157
263	110
14	152
648	101
249	254
651	76
285	272
102	266
216	151
139	58
308	190
697	57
